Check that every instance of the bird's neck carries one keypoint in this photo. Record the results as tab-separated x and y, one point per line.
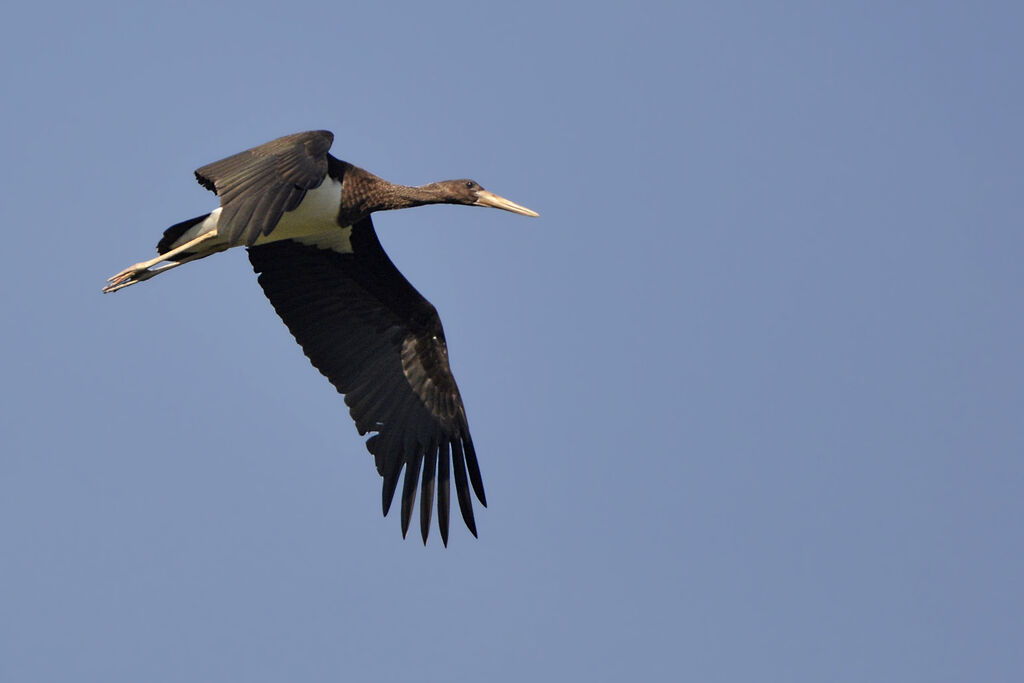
365	193
405	196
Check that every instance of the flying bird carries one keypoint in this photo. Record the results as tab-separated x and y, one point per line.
304	217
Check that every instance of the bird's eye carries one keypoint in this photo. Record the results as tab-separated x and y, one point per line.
470	184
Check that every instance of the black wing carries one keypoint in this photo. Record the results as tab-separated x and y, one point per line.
381	344
258	185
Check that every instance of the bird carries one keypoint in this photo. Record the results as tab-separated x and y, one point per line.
304	217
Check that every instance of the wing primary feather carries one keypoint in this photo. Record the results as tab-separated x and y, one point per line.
392	468
443	491
461	487
427	494
412	477
474	467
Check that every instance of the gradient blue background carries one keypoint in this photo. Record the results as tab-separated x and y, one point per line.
748	395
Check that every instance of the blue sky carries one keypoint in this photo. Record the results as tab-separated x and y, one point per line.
747	396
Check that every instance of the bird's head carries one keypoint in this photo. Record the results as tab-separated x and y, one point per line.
470	193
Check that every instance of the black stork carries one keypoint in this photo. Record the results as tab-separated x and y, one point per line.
304	217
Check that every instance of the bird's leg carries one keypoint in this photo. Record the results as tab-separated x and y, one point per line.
146	274
141	271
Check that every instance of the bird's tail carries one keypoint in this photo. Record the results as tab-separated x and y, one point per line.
176	233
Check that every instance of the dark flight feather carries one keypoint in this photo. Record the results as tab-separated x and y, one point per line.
381	344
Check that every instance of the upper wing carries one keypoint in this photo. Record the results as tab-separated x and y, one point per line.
381	344
258	185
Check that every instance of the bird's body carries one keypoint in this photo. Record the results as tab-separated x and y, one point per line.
305	218
312	220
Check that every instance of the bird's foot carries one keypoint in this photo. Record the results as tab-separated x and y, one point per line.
129	276
178	256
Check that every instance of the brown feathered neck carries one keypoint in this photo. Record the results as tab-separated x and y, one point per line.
364	193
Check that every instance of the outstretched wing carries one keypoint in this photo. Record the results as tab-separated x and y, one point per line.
381	344
258	185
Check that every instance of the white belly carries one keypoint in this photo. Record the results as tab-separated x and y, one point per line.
313	222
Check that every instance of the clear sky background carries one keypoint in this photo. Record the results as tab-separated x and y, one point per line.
747	397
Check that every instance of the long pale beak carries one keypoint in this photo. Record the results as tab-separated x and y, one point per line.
485	198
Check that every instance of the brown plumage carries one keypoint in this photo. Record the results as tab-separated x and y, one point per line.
305	218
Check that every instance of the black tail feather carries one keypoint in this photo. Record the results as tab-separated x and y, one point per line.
172	233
